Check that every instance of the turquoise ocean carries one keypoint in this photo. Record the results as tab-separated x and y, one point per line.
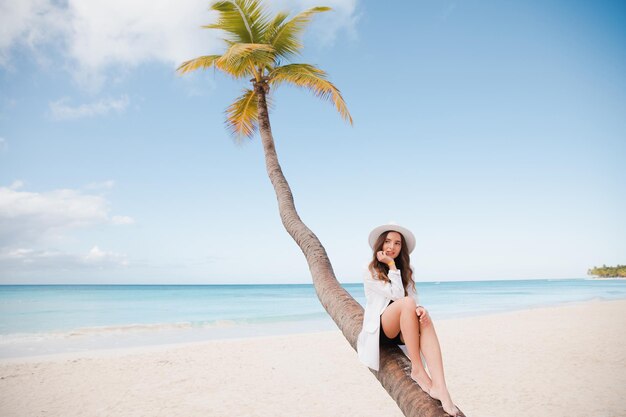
44	319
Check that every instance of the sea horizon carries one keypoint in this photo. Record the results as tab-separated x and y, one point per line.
9	284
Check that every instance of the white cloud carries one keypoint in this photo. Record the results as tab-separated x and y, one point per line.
96	256
27	218
61	110
3	144
53	260
16	185
33	225
122	220
98	35
29	23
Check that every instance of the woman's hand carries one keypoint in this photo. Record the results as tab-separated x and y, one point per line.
384	258
423	315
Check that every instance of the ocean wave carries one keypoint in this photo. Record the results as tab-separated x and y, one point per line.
84	332
147	328
127	328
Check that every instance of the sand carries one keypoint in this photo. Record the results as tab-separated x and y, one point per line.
556	361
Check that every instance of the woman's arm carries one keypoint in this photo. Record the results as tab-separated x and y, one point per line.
393	290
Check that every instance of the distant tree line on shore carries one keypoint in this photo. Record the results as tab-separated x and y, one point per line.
618	271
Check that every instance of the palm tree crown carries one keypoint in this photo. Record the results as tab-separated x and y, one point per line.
257	46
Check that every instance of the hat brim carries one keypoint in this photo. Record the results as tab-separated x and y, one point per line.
409	238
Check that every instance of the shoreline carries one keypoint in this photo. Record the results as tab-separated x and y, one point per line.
536	360
141	337
134	337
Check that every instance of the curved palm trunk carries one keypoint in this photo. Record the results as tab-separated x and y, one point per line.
394	373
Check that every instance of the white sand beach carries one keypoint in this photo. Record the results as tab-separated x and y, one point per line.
556	361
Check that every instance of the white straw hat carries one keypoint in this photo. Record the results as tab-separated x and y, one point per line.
409	238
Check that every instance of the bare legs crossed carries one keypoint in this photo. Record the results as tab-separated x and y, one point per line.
401	318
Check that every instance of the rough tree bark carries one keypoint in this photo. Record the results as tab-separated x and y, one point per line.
395	367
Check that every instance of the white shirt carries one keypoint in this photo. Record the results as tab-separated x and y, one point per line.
378	294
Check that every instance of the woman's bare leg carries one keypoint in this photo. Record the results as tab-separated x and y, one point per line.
400	318
432	353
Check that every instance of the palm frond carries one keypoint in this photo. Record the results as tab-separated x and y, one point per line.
313	79
286	37
244	21
242	115
203	62
241	59
274	25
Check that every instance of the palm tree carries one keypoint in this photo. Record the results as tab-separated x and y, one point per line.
257	45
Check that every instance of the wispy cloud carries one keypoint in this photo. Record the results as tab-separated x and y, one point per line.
30	23
122	220
16	185
34	224
99	35
3	144
29	218
100	257
62	110
54	260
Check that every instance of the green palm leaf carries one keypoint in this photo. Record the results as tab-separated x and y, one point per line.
243	59
272	27
313	79
242	115
285	37
203	62
243	20
256	44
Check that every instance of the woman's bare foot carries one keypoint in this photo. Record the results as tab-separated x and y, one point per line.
446	402
422	379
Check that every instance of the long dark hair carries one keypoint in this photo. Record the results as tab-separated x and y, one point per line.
380	270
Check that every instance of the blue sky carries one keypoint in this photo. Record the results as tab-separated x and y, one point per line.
494	130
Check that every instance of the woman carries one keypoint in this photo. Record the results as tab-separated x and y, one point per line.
393	313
